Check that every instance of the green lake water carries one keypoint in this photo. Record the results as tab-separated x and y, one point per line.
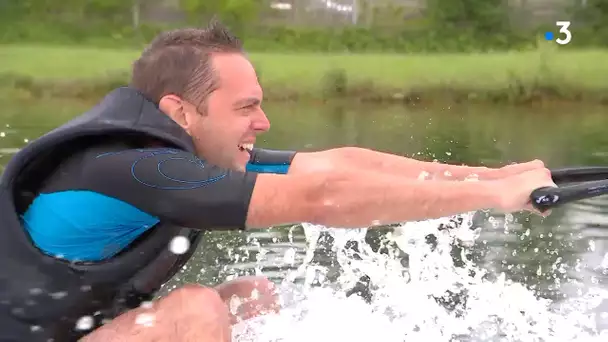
575	236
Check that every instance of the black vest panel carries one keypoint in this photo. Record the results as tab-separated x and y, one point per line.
41	297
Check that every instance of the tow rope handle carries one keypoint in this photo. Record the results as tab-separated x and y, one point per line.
592	182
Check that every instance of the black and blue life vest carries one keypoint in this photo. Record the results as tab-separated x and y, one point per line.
42	298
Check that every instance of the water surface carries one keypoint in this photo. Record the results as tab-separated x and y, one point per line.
457	287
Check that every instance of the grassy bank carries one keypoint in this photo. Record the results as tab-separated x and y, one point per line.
544	74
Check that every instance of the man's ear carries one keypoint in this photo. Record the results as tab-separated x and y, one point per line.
173	106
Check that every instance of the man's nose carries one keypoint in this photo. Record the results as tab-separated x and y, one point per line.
261	122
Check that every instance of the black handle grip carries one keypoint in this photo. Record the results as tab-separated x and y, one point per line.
579	174
546	198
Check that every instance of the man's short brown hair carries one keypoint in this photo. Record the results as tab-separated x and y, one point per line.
179	62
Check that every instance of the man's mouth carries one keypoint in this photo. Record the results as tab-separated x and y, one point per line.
246	147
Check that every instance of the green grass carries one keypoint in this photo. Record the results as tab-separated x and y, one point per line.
548	71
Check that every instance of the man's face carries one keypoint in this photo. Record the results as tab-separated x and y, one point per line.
225	134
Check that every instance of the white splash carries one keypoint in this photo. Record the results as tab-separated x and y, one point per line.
418	302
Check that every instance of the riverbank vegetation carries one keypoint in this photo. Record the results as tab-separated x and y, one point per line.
446	50
502	77
364	26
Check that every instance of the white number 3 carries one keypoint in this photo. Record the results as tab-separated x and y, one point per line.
563	28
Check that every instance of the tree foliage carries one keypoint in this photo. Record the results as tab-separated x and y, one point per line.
476	15
445	25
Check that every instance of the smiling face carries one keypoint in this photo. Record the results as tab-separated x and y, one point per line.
233	117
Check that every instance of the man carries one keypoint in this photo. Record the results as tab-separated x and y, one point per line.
90	210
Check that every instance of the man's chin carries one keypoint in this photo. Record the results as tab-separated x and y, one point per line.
240	164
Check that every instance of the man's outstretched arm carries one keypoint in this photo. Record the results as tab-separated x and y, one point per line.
177	187
363	199
355	158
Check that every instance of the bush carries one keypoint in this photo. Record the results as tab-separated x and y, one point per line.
301	39
334	83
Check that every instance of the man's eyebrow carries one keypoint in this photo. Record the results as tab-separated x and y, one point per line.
249	101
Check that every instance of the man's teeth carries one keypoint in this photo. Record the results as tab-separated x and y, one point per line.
247	147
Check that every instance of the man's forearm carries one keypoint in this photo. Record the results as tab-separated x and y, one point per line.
354	158
406	167
362	199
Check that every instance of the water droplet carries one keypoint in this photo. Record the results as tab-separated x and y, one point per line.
234	304
179	245
290	256
604	263
2	134
255	294
58	295
145	319
35	328
17	311
85	323
26	140
35	291
423	175
147	305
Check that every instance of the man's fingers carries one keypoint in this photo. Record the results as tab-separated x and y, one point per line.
518	168
530	165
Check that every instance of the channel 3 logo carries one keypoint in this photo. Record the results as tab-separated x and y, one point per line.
565	35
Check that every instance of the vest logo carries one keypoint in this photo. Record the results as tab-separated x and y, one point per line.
171	169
